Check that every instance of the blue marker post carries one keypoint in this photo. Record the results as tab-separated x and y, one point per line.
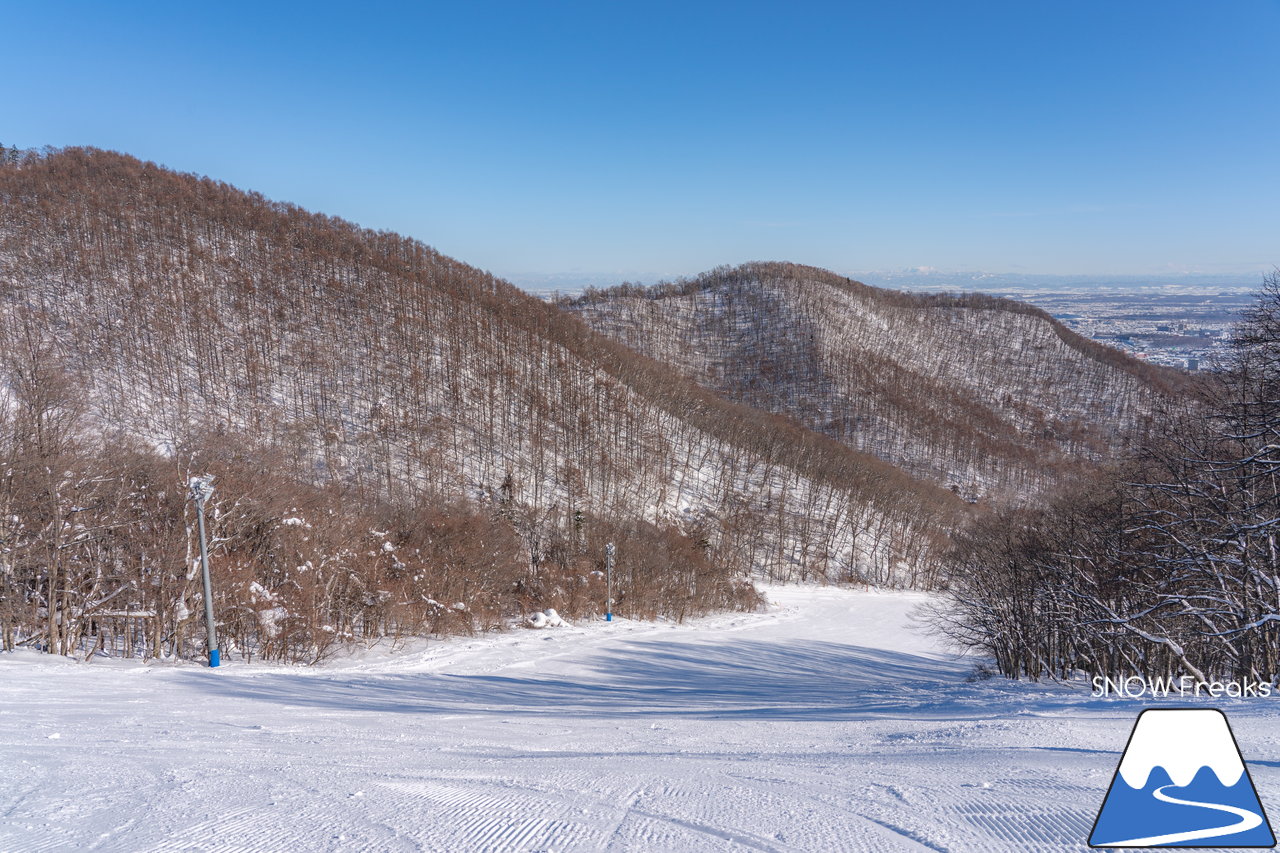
201	489
608	582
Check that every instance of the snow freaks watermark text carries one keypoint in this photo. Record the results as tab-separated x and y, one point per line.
1137	686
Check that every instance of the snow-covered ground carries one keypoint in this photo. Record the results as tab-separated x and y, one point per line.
829	722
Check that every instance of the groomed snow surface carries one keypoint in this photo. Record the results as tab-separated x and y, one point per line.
831	721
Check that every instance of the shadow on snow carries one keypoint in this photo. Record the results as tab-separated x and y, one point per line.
743	680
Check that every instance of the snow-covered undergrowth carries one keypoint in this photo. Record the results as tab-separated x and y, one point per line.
832	721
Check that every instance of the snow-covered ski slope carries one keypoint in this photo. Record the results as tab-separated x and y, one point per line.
829	722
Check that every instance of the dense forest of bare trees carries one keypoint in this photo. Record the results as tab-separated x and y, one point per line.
1168	566
402	443
98	545
989	397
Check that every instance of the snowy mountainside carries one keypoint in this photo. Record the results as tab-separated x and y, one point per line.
988	397
185	307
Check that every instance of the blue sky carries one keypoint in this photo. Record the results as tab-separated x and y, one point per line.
653	138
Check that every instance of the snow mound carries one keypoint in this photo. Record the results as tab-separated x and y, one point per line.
547	619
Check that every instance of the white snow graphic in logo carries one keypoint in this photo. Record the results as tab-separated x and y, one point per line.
1182	783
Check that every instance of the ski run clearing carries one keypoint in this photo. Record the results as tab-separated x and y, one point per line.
830	721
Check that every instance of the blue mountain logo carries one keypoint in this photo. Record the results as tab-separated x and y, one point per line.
1182	783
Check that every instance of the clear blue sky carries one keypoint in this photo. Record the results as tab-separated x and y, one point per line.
525	137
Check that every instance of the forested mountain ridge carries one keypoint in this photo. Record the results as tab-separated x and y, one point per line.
986	396
186	319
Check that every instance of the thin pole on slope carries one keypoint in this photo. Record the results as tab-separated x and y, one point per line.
608	582
201	490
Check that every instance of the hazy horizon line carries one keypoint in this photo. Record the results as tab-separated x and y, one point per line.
918	276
